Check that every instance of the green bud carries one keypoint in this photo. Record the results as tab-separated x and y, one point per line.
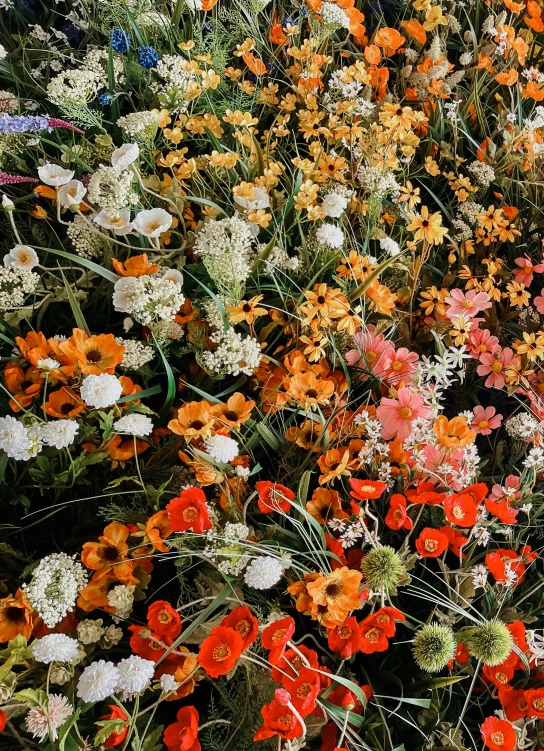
434	647
490	642
382	568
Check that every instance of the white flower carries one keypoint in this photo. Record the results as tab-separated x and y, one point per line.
3	52
222	448
263	572
329	234
21	257
333	15
168	683
259	200
334	204
148	299
47	363
55	648
71	194
388	244
39	719
121	597
101	391
7	203
54	588
125	155
173	275
152	222
14	439
137	354
113	635
59	433
134	674
134	424
119	224
97	681
52	174
89	631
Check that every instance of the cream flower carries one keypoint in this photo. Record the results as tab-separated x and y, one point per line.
54	175
152	222
125	155
71	194
119	225
21	257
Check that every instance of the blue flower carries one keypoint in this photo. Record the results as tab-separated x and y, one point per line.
147	57
120	40
104	99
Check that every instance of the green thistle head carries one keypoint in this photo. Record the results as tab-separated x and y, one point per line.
434	647
490	642
383	568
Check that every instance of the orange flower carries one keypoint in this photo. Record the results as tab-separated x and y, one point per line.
63	403
235	412
158	529
93	354
416	30
338	592
255	65
95	594
499	735
453	433
333	464
194	420
24	386
507	78
325	505
220	650
372	54
431	543
364	490
389	40
461	510
276	35
306	436
110	553
135	266
189	511
15	617
308	390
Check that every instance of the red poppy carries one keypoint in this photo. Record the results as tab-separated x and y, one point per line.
500	675
335	546
455	539
146	644
397	518
220	650
502	510
164	621
376	629
273	497
278	720
498	735
304	691
275	637
3	720
182	734
535	702
116	713
431	543
189	511
505	565
513	702
461	510
365	490
244	622
477	492
344	639
517	629
425	493
292	663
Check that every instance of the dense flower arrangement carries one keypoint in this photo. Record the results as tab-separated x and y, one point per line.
272	334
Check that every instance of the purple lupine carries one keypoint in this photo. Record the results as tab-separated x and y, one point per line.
32	123
6	179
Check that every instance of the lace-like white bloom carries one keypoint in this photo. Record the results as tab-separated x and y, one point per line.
226	249
15	285
98	681
147	299
71	194
125	155
139	125
39	719
134	674
334	204
388	244
59	433
152	222
234	354
111	189
90	631
54	175
55	648
330	234
137	354
263	572
21	257
333	15
101	391
222	448
55	585
134	424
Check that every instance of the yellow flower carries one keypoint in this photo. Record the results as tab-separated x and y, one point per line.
532	346
227	161
427	226
260	217
519	296
434	18
410	194
431	166
210	79
164	118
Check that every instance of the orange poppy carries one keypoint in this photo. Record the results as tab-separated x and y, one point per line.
431	543
338	592
256	66
507	78
63	403
416	30
273	497
389	40
109	554
244	622
453	433
461	510
194	420
325	505
220	650
135	266
275	638
93	354
15	617
306	436
277	35
499	735
164	620
189	511
364	490
344	639
24	386
235	412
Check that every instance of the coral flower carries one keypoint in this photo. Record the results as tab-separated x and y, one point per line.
498	735
220	650
304	690
373	352
455	539
164	620
397	415
493	366
244	622
513	702
453	433
146	644
278	720
364	490
116	713
182	734
506	565
273	497
461	510
425	493
135	266
344	639
376	629
275	637
157	529
189	511
194	420
15	617
535	702
109	554
431	543
469	304
397	517
338	592
485	420
93	354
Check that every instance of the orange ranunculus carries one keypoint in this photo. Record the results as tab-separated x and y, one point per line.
15	617
453	433
255	64
507	78
109	553
135	266
416	30
93	354
389	40
338	592
235	412
220	650
64	403
194	420
24	386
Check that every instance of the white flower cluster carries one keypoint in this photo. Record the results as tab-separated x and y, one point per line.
390	246
522	425
91	632
15	285
263	572
334	204
225	247
148	299
54	587
330	235
137	354
87	244
334	16
75	88
121	598
101	679
483	173
19	442
177	80
139	125
234	354
377	182
278	259
111	189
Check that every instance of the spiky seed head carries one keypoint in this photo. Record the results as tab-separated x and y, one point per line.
383	568
434	647
490	642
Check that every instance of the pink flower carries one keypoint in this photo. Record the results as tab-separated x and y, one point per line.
396	415
524	275
509	491
468	305
373	351
485	420
539	302
493	366
400	365
480	341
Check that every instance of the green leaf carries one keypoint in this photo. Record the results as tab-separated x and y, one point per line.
431	683
76	310
171	393
151	391
109	275
269	436
36	697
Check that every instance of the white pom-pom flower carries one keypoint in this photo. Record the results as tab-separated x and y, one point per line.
55	648
222	448
98	681
134	674
263	572
101	391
